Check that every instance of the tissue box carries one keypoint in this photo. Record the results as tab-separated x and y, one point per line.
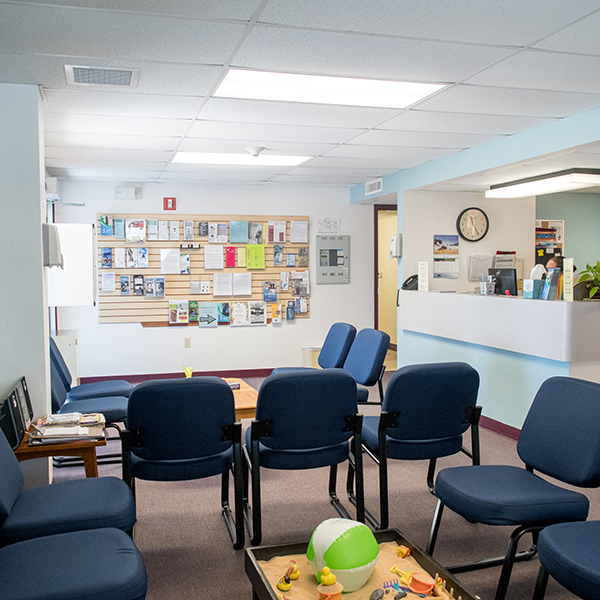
532	288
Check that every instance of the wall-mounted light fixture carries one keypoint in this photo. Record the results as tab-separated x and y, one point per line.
560	181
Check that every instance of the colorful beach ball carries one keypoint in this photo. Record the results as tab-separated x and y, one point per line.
348	548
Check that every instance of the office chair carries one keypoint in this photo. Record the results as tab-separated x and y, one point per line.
425	412
365	361
334	350
79	504
98	389
183	429
570	552
304	420
560	438
103	564
114	409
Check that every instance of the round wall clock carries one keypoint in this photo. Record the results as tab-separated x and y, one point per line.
472	224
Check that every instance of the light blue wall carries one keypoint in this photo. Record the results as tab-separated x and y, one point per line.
581	214
509	381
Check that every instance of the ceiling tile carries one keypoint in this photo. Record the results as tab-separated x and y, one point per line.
294	113
121	175
260	132
508	101
328	53
118	104
193	9
544	71
380	137
110	155
92	33
391	153
108	141
239	146
463	122
114	125
70	163
508	22
580	37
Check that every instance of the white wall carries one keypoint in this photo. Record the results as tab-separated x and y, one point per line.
23	313
121	349
425	214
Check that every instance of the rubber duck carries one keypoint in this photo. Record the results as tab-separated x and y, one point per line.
327	577
293	572
284	583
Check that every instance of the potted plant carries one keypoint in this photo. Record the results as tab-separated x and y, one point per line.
591	274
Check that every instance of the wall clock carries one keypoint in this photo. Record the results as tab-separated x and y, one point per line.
472	224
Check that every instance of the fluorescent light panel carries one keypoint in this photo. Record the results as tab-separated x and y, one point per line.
561	181
221	158
318	89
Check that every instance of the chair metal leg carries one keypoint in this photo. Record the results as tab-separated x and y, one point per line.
435	527
333	497
256	500
235	527
540	584
356	454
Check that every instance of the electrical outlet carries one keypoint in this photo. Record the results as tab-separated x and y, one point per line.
187	342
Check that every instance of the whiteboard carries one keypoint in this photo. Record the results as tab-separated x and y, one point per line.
73	285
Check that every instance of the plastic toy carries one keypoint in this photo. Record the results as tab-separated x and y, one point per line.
293	572
327	577
284	584
347	547
403	551
417	582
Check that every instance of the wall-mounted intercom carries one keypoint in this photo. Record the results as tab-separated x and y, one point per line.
396	246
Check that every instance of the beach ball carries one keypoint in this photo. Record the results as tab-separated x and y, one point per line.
347	547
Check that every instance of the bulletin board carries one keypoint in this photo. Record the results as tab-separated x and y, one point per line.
285	262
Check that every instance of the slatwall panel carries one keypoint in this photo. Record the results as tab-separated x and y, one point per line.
152	311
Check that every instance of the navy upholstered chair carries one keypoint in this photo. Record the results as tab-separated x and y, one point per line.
103	564
570	552
560	438
183	429
304	420
426	410
98	389
75	505
334	350
365	361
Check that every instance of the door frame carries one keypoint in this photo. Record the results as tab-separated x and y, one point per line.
377	208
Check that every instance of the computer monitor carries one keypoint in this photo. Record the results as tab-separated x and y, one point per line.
506	279
24	402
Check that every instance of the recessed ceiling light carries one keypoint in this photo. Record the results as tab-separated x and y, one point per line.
318	89
221	158
560	181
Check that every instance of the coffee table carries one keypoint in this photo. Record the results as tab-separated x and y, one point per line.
263	590
245	399
86	449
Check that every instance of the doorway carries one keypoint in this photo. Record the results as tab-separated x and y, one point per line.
386	271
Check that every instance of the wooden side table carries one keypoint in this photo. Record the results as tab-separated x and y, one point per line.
86	449
245	399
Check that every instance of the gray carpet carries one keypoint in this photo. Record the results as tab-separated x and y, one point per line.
188	553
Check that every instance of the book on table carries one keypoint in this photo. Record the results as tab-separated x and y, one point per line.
55	434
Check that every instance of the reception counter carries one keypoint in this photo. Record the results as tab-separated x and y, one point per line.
514	343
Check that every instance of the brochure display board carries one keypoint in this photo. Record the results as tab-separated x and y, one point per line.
202	270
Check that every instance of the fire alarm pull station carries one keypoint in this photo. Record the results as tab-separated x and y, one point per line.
169	203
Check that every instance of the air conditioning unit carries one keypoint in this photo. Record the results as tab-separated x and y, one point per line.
52	190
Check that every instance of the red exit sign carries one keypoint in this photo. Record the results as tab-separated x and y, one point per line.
169	203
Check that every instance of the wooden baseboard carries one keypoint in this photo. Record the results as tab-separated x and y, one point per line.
507	431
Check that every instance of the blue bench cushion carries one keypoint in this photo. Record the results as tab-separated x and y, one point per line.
114	408
506	495
97	389
93	503
101	564
571	554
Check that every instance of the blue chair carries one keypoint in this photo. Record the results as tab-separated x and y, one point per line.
75	505
98	389
183	429
304	420
426	410
334	350
99	564
365	361
570	552
560	438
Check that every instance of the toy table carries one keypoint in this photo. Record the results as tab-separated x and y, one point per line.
264	566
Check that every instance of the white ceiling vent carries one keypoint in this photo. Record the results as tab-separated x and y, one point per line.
372	187
81	75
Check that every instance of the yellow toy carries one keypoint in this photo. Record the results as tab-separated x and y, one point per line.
403	551
293	572
284	584
327	577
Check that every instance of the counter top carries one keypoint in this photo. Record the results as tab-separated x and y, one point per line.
552	329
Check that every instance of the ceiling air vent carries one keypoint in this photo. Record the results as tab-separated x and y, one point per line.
372	187
83	75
